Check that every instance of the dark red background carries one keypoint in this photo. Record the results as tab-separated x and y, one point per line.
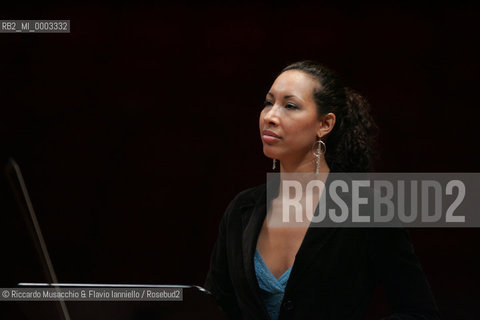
135	130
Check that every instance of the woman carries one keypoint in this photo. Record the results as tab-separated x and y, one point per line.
262	272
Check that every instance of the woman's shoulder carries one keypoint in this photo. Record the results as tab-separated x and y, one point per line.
249	196
240	203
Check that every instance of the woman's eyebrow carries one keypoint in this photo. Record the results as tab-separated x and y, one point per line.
286	96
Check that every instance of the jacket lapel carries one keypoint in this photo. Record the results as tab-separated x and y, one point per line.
315	239
313	242
253	215
252	220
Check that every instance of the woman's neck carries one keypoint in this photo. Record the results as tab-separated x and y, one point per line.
303	166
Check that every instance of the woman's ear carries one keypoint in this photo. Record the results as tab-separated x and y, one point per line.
326	125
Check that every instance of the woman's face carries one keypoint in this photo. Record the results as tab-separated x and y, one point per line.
289	122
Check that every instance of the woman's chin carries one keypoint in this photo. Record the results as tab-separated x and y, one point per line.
269	154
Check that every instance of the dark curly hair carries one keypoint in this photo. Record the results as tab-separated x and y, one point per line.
350	144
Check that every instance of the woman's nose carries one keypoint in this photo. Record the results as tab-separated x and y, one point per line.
272	117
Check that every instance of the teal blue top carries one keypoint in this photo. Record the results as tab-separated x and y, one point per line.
272	288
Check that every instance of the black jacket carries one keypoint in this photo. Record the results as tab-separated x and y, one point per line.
334	274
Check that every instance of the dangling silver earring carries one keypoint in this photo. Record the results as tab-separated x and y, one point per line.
274	164
317	152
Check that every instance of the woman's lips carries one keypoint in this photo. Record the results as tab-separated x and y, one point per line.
269	139
269	136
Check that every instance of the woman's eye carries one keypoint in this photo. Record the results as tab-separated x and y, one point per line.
267	103
291	106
